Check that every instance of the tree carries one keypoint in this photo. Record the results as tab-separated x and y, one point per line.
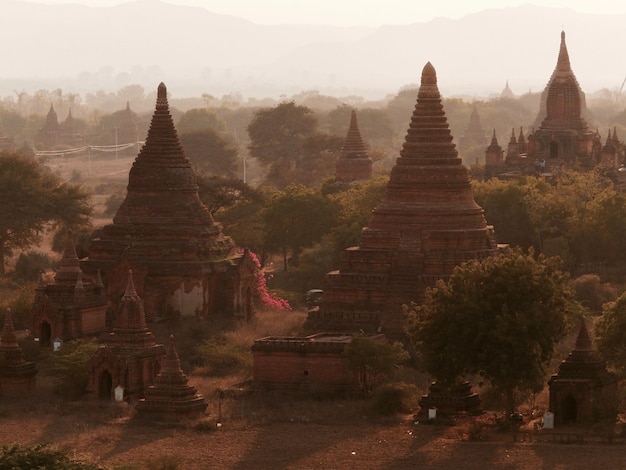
499	317
295	218
371	359
33	200
199	119
610	334
219	193
277	135
210	152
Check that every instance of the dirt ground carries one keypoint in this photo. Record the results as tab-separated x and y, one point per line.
106	434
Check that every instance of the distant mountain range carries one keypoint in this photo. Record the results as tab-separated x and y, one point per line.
85	49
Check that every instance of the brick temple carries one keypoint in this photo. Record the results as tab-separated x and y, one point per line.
562	136
171	397
130	357
426	224
70	306
17	376
353	163
182	262
583	390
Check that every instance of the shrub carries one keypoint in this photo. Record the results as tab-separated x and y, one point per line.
69	368
592	293
223	356
29	266
392	398
41	456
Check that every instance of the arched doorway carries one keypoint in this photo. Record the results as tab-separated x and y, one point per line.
554	150
105	386
569	407
45	333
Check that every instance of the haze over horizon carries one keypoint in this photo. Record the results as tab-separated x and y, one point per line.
218	47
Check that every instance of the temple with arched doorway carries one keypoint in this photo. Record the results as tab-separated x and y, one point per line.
582	391
70	306
130	358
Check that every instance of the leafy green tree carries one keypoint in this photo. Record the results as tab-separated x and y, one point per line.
219	193
610	334
295	218
372	359
499	317
506	208
33	200
284	138
210	152
199	119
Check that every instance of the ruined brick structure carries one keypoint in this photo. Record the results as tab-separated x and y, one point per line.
70	307
353	163
308	364
474	135
583	391
182	262
17	376
171	397
130	357
427	223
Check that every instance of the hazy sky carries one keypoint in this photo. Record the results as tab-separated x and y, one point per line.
360	12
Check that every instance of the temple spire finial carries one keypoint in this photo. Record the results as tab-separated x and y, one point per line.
130	286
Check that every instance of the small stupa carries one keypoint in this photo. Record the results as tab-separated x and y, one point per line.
171	397
17	376
130	357
583	390
353	163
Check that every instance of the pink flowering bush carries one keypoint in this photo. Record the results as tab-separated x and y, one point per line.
268	299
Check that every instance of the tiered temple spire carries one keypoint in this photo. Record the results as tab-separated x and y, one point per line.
427	223
353	162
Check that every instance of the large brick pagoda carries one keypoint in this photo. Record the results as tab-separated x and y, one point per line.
427	223
182	262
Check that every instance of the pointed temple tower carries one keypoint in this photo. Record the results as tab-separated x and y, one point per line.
583	390
427	223
17	376
474	135
70	307
171	397
353	163
48	135
562	135
130	358
183	263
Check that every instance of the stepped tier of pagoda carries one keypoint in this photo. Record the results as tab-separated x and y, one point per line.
426	224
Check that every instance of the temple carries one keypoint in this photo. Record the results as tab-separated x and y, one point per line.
353	163
171	398
583	391
426	224
130	358
560	135
70	307
182	262
17	376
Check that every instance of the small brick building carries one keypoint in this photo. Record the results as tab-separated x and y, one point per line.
305	364
17	376
583	391
70	307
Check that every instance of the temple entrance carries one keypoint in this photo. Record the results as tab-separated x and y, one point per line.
569	407
105	386
45	333
554	150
